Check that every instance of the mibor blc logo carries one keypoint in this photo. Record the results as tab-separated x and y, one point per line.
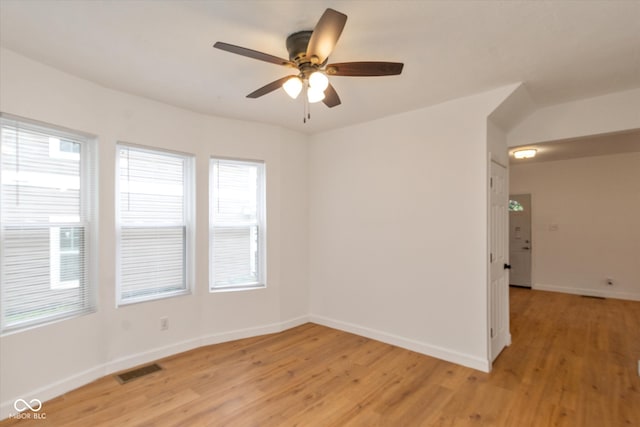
34	406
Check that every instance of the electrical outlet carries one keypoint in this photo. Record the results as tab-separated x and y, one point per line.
164	323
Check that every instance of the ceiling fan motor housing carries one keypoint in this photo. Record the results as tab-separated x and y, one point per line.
297	46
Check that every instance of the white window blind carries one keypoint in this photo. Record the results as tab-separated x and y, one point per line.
154	222
237	224
46	210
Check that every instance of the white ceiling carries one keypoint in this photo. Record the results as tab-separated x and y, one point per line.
586	146
163	50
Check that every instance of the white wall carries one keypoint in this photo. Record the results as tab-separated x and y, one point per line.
594	203
497	143
609	113
45	361
398	229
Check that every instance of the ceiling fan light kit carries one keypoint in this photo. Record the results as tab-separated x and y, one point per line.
293	86
309	53
318	80
314	95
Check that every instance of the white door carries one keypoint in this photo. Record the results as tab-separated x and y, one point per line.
520	240
499	334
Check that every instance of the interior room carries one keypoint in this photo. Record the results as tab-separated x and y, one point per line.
579	182
163	202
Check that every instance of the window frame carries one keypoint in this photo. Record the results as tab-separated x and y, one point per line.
261	223
88	207
188	225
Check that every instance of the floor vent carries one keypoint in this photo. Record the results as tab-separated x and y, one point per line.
592	296
125	377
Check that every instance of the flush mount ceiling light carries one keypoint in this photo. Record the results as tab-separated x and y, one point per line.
525	154
309	53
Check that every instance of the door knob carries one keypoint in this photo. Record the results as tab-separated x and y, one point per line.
525	247
507	266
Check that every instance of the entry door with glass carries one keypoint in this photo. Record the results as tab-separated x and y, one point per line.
520	240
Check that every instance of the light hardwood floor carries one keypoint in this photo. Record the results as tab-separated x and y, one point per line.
573	362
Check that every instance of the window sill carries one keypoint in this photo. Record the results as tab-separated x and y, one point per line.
27	326
251	287
131	301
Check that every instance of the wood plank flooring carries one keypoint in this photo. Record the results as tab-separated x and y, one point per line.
573	362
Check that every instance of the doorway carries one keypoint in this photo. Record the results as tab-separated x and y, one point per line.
520	245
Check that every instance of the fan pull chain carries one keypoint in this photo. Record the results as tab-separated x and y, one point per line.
304	113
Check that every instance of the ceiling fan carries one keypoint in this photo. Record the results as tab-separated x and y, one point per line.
309	53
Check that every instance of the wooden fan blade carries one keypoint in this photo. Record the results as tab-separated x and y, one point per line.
326	34
331	98
268	88
365	69
253	54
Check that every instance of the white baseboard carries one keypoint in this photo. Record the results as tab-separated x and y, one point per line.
149	356
50	391
58	388
604	293
407	343
505	341
296	321
239	334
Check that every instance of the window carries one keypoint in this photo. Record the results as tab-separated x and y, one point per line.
154	217
63	149
515	206
65	245
237	225
46	220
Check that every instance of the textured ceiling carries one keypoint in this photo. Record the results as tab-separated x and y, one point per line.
163	50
